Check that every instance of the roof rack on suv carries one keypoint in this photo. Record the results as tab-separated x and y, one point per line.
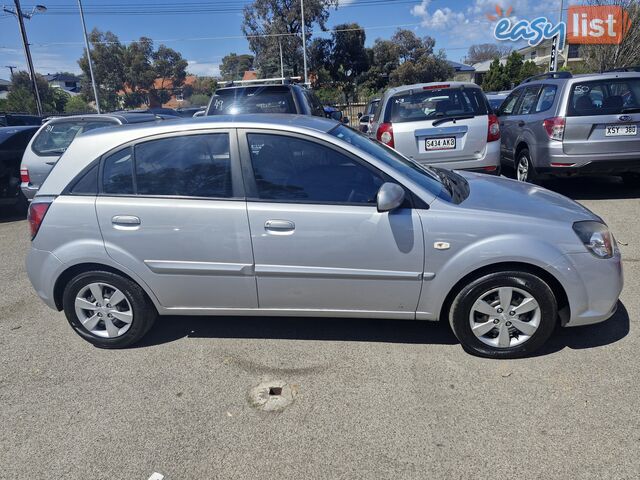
548	76
635	68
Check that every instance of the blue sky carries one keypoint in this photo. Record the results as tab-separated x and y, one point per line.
204	38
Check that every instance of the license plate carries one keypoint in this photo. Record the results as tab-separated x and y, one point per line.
447	143
620	130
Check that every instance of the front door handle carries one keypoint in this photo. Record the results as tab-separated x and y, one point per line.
125	221
279	226
521	123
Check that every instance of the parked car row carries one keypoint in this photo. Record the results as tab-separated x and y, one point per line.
552	125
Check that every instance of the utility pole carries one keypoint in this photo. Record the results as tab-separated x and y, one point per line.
27	53
281	62
86	44
10	67
304	45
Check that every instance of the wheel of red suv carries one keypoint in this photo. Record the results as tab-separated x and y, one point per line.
107	310
524	171
504	315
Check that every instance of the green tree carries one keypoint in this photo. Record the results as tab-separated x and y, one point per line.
495	79
170	69
269	23
21	98
233	66
199	99
139	73
528	69
108	56
77	104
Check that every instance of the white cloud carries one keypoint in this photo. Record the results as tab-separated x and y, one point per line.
203	68
440	19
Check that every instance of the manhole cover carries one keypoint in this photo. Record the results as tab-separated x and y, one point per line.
272	396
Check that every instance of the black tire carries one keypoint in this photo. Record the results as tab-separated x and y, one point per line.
461	310
524	156
631	180
144	312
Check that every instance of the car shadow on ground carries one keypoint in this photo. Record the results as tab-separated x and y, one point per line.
171	328
592	188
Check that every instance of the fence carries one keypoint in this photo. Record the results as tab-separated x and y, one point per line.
351	110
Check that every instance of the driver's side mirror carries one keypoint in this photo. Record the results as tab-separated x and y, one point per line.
336	115
390	196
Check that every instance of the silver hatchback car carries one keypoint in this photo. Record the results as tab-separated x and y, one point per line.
302	216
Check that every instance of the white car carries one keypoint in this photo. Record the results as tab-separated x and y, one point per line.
446	124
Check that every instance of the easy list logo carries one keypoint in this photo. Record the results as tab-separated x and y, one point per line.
533	31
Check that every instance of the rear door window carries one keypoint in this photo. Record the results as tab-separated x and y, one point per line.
234	101
189	165
529	100
509	104
117	173
604	97
54	139
432	103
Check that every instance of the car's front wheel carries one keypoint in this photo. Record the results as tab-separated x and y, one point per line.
107	309
504	314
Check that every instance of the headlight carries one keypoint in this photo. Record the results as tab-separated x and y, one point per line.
596	237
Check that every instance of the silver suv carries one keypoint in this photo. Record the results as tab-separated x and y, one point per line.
557	124
448	125
302	216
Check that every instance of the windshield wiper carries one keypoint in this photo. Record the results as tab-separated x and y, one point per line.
631	110
440	121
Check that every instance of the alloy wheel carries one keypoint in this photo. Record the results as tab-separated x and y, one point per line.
522	170
505	317
103	310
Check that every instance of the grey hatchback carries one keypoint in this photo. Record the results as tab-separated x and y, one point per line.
557	124
302	216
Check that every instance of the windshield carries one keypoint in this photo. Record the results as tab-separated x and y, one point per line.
252	100
605	97
426	177
56	137
434	103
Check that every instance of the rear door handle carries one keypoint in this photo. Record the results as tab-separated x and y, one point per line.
279	226
125	221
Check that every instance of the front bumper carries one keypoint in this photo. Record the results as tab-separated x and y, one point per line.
593	293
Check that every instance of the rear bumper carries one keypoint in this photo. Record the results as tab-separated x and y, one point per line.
43	269
551	160
28	190
489	162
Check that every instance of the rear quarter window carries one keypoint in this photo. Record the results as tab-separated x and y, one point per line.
413	106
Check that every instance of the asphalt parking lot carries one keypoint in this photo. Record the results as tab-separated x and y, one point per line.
375	398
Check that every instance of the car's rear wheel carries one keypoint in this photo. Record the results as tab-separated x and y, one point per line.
107	309
504	315
524	170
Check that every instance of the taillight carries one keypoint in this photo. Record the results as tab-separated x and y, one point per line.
37	211
554	127
493	133
385	134
24	175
